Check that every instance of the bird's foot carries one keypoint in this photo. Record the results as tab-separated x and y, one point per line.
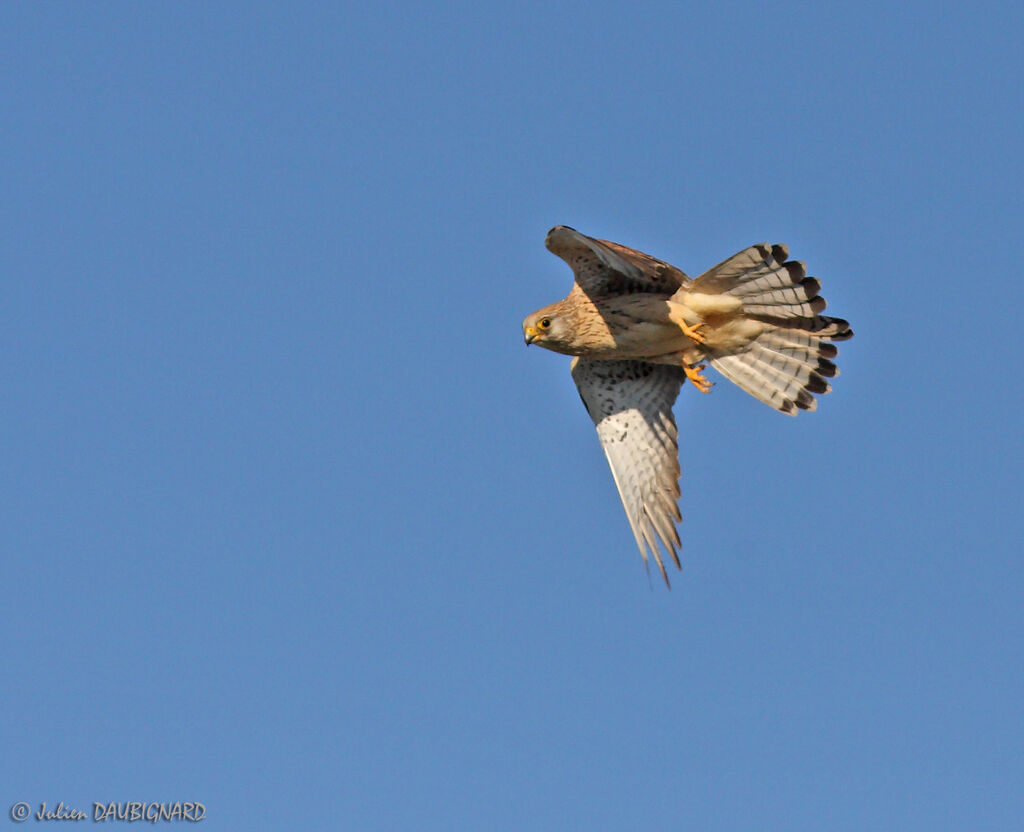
694	332
696	376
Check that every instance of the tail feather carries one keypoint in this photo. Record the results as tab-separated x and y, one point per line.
766	282
816	356
763	383
791	369
798	342
789	362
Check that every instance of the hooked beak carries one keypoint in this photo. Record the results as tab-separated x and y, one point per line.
529	335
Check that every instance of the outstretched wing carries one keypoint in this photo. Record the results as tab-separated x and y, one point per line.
631	405
604	268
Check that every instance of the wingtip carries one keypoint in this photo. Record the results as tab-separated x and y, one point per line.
559	231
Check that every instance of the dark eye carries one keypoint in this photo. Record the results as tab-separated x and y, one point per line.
544	323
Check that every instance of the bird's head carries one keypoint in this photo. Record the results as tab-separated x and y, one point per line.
549	328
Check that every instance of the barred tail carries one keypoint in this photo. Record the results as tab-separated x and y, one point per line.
790	360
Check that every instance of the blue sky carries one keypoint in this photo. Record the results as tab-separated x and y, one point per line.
296	527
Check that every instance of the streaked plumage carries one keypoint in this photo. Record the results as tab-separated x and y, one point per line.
639	327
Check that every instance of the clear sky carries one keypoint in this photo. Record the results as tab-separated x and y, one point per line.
295	526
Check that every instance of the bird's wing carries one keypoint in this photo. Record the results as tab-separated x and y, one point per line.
631	405
604	268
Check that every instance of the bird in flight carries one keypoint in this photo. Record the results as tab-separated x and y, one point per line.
639	328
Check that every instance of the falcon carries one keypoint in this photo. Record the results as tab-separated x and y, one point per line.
639	329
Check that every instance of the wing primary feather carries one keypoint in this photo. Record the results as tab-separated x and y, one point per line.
630	403
602	268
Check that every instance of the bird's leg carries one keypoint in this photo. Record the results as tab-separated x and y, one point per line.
678	313
696	375
693	332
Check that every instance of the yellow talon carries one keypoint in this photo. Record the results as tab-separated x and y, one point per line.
693	332
696	376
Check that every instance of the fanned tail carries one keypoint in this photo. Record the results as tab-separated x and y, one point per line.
789	362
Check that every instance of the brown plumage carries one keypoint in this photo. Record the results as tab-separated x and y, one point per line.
639	327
